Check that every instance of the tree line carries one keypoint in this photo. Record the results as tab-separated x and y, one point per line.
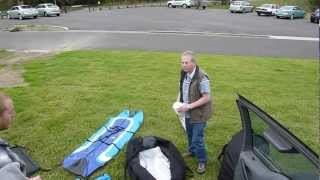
9	3
4	4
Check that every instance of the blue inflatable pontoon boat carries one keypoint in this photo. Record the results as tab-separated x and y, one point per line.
104	144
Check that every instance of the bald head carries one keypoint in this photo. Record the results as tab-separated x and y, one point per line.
7	112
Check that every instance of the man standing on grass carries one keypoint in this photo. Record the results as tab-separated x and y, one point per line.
196	99
10	170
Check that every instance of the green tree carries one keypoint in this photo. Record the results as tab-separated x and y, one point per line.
313	4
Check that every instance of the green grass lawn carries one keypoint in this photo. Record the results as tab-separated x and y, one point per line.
3	54
72	94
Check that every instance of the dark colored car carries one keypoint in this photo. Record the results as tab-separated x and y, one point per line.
315	16
270	151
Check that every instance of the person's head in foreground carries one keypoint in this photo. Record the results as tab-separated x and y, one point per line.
7	112
11	170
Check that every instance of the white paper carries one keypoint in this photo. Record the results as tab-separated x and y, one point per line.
181	116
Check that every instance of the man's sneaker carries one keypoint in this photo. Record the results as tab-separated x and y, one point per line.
187	154
201	168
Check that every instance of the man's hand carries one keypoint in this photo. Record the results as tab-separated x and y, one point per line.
184	108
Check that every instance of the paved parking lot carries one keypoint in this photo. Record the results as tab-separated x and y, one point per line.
178	19
166	29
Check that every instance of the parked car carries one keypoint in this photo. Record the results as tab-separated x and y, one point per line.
21	12
269	151
3	14
315	16
290	12
267	9
48	9
240	6
180	3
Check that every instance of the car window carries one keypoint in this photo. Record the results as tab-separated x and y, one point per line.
50	5
289	163
26	7
286	8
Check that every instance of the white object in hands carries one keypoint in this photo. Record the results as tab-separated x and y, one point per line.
181	116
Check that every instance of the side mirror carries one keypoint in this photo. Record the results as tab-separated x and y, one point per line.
278	142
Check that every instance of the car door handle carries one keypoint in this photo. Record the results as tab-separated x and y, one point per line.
244	169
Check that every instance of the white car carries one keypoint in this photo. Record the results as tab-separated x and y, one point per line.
267	9
240	6
48	9
180	3
21	12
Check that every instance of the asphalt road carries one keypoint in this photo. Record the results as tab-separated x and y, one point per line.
160	28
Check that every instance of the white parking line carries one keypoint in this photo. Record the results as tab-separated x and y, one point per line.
294	38
30	50
62	27
37	51
182	33
188	33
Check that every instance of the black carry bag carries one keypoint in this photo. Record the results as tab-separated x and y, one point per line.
178	168
230	153
14	153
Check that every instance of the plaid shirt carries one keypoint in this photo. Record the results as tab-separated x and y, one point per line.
204	88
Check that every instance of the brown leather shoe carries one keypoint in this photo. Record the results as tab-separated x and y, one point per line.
201	168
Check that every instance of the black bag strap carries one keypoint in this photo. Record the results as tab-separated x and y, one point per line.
222	152
189	172
45	169
41	168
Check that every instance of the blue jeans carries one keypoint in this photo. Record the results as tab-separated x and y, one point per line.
196	145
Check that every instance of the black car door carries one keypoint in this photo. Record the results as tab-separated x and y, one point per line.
270	151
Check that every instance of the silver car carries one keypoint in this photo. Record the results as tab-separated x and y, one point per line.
180	3
22	12
240	6
48	9
267	9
